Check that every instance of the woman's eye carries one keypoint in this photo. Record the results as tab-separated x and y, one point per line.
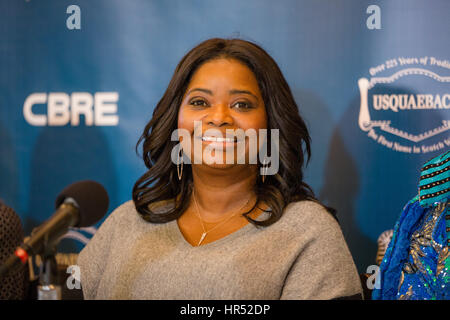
198	103
242	105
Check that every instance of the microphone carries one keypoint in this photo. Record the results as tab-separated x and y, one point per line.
15	285
81	204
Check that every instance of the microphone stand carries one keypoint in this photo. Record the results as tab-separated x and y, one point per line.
48	288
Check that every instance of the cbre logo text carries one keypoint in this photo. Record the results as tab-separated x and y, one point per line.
61	109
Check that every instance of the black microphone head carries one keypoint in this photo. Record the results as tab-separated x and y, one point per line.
91	198
15	284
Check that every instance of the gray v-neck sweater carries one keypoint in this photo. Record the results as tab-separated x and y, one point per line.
301	256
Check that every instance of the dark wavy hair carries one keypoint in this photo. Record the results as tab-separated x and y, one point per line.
161	182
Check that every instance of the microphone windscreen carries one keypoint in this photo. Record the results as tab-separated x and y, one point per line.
14	285
92	200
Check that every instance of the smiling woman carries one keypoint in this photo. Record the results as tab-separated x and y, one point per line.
222	229
225	84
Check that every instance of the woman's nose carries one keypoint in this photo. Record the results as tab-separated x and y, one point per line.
219	115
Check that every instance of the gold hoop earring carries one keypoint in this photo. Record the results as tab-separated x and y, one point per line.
180	160
265	166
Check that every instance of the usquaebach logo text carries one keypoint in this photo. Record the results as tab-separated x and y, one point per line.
391	103
61	109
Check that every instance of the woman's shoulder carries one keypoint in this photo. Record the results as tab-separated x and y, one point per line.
123	211
307	209
125	221
118	217
127	211
309	215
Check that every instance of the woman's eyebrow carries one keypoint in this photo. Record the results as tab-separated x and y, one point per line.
236	91
233	91
200	89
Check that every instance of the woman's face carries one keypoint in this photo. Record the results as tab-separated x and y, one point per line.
222	94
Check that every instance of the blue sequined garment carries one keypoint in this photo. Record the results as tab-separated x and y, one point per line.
416	265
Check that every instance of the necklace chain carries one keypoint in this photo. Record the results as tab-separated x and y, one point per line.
220	223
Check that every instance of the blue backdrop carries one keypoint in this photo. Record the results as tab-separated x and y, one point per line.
368	141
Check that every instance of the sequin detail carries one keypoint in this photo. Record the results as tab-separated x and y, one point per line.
424	275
